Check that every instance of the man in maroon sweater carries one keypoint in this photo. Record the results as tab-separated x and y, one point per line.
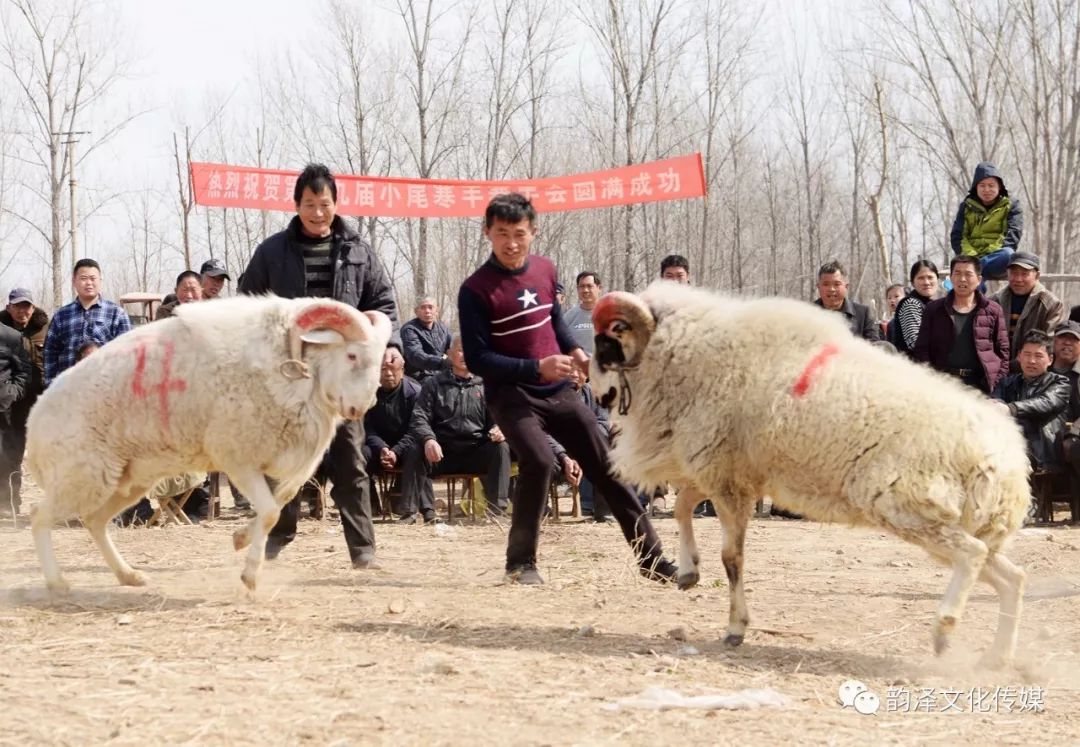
514	337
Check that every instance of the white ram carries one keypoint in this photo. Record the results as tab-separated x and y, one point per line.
253	387
734	400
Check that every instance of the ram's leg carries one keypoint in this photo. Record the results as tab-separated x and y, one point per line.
967	556
734	514
41	523
1008	581
253	485
97	523
689	559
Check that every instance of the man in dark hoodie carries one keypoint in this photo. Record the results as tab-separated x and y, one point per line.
30	322
320	255
989	223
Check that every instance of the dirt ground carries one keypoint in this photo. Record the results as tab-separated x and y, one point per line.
433	649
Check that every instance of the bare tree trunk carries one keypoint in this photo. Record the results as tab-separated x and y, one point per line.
874	200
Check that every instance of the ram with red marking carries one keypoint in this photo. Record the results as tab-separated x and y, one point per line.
252	387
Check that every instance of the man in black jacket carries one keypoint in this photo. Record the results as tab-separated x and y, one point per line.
14	382
425	340
458	435
32	323
1038	398
319	254
832	295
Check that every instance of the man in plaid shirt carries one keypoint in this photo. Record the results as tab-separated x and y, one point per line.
88	318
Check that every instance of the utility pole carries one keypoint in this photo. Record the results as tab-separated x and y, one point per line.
72	138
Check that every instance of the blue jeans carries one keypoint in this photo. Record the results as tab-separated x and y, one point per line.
995	265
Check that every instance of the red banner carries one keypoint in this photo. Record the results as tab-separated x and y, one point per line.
219	185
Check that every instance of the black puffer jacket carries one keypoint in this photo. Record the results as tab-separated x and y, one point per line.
451	411
14	371
1040	406
277	266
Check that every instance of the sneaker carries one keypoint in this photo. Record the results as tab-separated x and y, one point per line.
430	517
604	519
366	561
407	519
658	569
524	574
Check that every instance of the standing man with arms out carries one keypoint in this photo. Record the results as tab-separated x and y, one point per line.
579	318
320	255
425	341
89	316
514	337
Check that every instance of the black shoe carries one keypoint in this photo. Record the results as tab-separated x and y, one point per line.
783	514
274	547
658	569
524	574
604	519
407	519
431	518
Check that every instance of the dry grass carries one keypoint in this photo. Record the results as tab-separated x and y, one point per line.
434	650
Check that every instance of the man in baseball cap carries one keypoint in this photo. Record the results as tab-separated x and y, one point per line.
214	276
1066	357
1027	303
32	323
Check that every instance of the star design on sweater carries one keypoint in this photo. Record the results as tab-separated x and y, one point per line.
527	298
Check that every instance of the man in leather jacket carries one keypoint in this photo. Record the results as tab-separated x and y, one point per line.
1038	398
457	434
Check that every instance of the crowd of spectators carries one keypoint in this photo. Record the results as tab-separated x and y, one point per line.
433	416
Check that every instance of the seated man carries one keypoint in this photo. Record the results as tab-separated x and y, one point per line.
386	424
1038	398
451	421
591	504
1067	363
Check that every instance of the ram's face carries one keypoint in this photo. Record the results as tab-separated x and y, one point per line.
345	355
623	326
348	375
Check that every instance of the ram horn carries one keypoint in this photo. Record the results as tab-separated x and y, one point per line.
625	320
328	316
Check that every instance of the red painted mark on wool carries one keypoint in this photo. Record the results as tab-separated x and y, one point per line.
141	390
323	317
806	378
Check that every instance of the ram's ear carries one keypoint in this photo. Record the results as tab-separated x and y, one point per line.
380	322
624	325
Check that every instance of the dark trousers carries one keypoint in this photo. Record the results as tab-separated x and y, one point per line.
487	458
351	493
12	446
526	419
412	491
